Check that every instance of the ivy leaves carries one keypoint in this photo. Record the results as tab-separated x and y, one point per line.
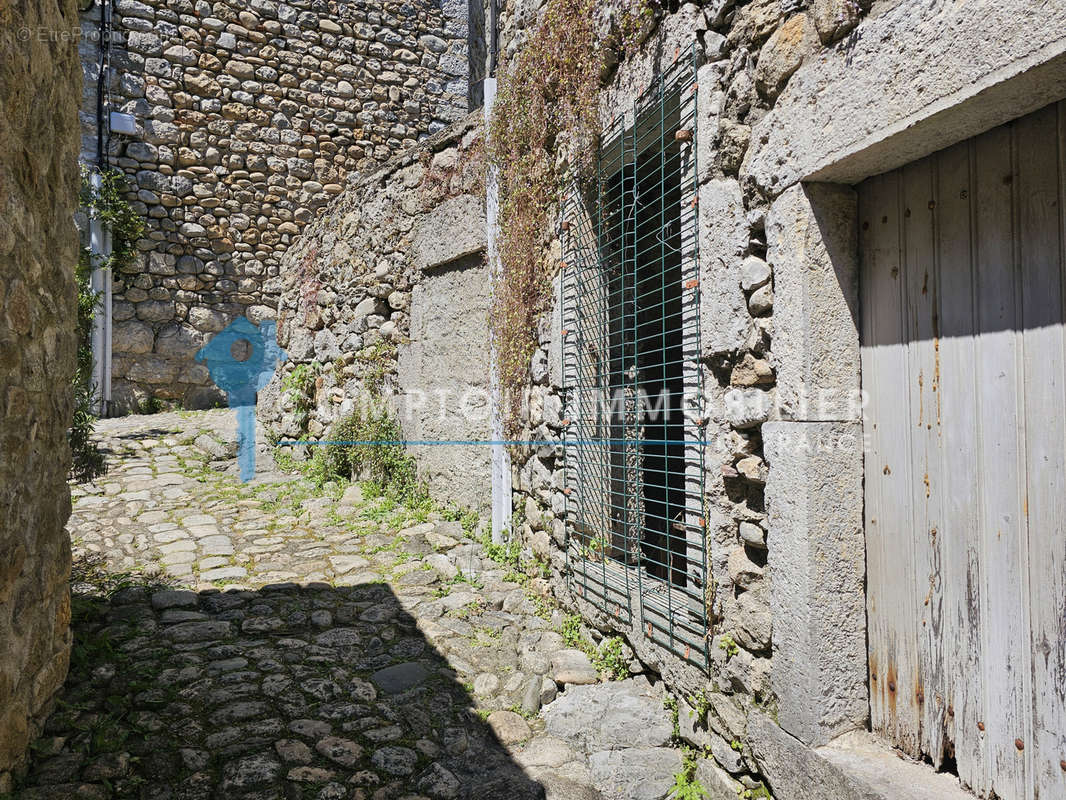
107	204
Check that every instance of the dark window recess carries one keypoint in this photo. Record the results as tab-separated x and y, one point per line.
634	401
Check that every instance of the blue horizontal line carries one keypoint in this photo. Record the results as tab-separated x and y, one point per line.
484	442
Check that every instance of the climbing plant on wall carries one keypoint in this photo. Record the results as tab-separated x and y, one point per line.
547	108
105	202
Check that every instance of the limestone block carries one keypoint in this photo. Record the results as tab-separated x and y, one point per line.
155	310
752	535
134	8
153	370
733	139
207	319
609	716
144	42
691	726
742	571
835	18
754	623
751	371
817	567
716	781
783	53
326	347
194	373
156	132
754	273
452	230
812	238
645	773
132	337
755	21
761	301
203	84
179	340
793	768
180	54
446	364
746	408
709	102
724	318
142	151
855	766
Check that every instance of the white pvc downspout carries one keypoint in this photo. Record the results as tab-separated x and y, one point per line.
501	459
100	283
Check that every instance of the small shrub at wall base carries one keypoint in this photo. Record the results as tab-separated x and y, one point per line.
611	659
379	459
299	389
686	787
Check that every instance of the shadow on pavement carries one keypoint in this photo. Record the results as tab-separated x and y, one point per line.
285	692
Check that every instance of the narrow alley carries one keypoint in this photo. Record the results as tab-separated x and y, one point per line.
274	640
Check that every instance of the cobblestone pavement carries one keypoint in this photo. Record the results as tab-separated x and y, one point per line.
268	640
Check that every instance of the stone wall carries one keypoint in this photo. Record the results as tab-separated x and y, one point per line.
250	118
778	311
790	94
387	294
39	85
747	53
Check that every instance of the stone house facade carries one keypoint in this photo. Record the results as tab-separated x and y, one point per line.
843	170
236	124
39	83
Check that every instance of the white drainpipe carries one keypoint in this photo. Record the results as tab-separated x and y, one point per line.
100	281
501	459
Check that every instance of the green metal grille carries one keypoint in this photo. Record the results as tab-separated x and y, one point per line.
634	395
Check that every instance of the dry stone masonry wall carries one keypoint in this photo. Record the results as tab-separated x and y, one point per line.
387	294
39	84
250	117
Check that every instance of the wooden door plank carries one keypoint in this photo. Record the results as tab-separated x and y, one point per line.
1001	460
925	486
893	656
1048	579
878	330
958	702
1044	364
871	205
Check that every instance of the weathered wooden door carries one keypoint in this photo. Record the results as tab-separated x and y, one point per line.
963	358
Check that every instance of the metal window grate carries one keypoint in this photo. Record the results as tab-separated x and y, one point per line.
634	401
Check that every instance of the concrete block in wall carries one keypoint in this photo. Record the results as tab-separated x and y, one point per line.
724	318
443	372
452	230
817	566
812	240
